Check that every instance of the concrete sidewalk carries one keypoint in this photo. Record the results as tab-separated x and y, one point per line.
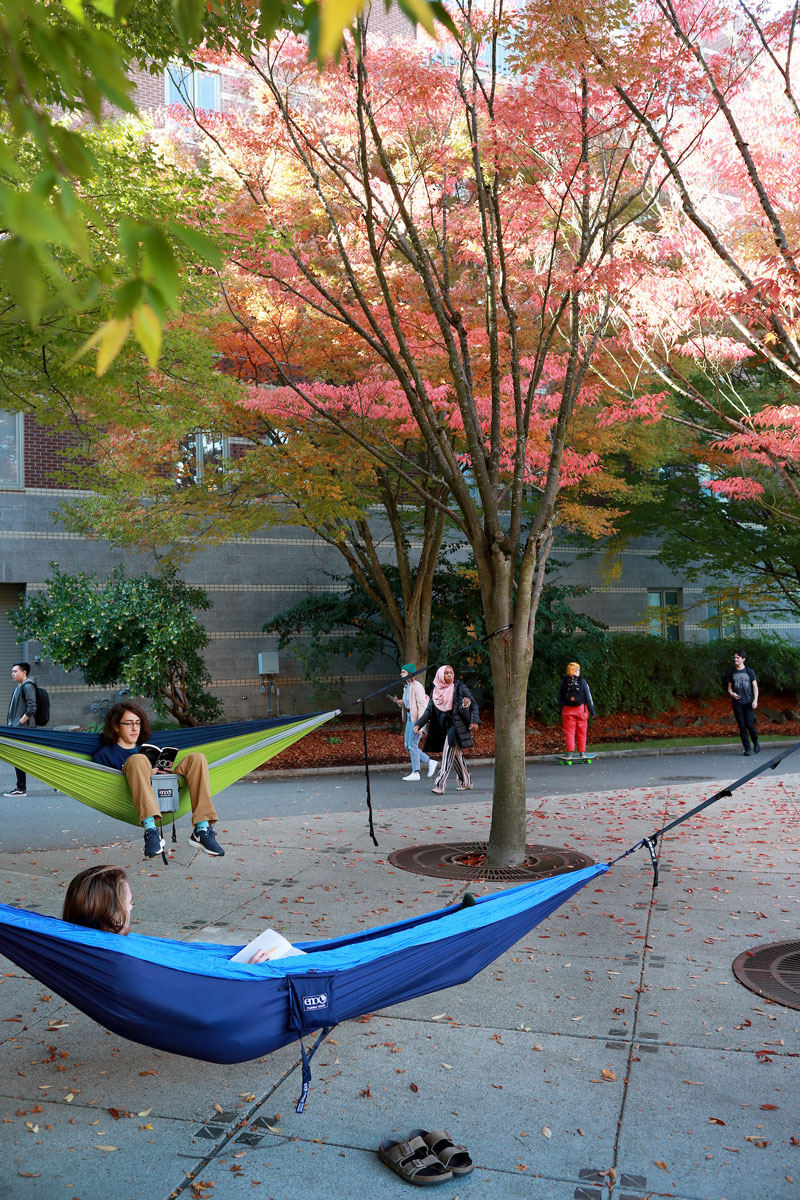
610	1053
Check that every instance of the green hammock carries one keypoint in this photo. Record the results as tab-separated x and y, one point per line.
49	756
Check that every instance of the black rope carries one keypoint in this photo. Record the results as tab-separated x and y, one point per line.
378	691
649	843
366	771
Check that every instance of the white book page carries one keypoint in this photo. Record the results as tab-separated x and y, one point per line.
270	940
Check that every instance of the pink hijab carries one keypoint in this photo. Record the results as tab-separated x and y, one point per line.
442	692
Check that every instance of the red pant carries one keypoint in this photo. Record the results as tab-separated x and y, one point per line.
575	721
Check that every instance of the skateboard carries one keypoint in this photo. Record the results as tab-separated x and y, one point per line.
568	759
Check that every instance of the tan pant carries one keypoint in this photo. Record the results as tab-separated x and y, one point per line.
194	769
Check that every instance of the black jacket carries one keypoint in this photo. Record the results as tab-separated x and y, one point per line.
452	724
584	695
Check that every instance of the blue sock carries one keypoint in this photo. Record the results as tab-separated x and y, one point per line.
149	823
201	825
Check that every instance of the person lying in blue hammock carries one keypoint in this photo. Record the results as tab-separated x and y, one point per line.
125	729
100	898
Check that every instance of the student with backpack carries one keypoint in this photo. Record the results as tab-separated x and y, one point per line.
576	704
29	705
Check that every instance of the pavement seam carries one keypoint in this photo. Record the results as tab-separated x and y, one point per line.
636	1005
234	1133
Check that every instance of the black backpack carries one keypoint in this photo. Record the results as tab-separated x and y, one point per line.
574	692
42	704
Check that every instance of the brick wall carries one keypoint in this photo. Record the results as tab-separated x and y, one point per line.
150	93
42	452
393	24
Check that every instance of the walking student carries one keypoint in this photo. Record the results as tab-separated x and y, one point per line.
413	703
21	711
452	722
743	690
126	727
576	705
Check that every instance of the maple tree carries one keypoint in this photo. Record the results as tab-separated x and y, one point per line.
439	249
715	321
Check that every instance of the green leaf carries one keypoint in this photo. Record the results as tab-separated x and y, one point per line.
128	297
113	336
22	271
160	261
188	16
198	242
147	328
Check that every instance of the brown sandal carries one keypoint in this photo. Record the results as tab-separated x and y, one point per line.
413	1162
454	1158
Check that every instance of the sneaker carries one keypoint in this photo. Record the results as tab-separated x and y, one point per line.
746	753
204	839
432	767
153	843
757	748
412	778
16	792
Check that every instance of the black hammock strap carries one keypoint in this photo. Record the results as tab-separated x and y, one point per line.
386	687
650	843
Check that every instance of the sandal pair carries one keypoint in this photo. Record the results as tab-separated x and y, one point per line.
454	1158
425	1158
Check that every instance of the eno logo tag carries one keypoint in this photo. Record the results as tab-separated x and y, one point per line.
315	1003
164	792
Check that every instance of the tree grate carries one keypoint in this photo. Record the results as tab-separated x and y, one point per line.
772	971
464	860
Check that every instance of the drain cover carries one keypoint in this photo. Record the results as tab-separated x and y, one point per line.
457	860
772	971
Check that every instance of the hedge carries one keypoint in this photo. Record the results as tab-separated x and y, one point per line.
638	673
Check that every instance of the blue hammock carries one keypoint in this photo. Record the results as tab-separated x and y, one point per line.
189	998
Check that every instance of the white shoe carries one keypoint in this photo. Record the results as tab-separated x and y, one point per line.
412	778
432	767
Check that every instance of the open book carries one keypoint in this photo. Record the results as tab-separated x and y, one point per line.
270	940
162	758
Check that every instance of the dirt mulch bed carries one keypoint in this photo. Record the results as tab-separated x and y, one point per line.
340	742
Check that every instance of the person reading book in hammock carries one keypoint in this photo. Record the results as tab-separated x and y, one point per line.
125	730
100	898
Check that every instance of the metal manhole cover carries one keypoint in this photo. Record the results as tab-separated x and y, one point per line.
461	860
772	972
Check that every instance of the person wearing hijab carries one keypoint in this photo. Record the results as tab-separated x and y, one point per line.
452	720
576	704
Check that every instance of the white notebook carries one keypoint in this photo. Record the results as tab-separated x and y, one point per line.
270	940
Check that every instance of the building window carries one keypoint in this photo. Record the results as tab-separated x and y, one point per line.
201	460
11	462
193	89
663	612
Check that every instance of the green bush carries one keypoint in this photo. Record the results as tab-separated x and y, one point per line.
636	673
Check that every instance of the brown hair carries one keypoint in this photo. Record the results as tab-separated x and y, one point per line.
115	715
95	898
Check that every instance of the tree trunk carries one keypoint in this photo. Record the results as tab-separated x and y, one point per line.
511	654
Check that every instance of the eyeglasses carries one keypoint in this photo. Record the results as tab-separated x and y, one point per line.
130	722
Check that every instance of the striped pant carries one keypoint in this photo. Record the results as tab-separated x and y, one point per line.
451	756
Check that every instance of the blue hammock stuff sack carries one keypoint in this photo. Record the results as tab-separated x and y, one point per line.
189	998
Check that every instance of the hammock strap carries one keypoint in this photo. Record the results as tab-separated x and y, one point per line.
649	843
366	771
306	1057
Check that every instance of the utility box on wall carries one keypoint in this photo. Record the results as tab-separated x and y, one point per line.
268	662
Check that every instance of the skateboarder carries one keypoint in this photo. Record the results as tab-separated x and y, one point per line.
576	704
